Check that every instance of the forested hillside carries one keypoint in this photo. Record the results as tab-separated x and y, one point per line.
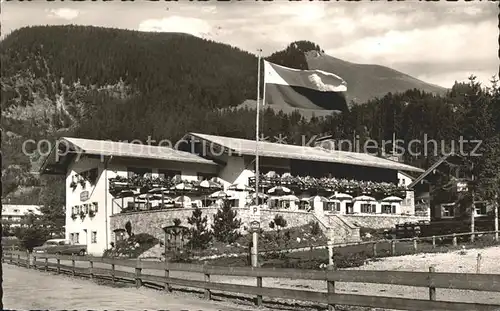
117	84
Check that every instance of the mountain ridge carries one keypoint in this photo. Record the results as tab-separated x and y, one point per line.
106	83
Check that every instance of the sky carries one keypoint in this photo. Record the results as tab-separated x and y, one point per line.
440	42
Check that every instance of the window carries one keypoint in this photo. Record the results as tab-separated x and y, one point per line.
163	173
368	208
480	208
448	210
331	206
136	171
93	237
72	236
388	209
76	238
16	211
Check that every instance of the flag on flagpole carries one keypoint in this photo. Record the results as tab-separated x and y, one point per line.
303	89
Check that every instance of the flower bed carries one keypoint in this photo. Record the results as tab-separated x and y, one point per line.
145	183
325	184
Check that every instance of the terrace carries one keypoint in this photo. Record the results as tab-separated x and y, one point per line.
284	192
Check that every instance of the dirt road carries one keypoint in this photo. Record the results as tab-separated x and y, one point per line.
25	289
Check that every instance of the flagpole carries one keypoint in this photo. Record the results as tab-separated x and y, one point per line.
254	255
257	125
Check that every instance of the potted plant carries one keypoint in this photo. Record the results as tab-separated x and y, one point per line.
82	182
73	183
73	216
91	213
82	215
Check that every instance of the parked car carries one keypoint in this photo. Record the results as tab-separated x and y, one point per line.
61	246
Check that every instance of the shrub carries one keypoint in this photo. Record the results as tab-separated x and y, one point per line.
128	228
132	247
181	257
315	228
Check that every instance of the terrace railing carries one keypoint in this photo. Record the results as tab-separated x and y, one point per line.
355	187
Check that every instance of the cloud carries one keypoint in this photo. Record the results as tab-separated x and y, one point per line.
431	41
64	13
429	51
195	26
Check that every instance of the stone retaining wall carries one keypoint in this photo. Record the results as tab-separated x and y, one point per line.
153	222
381	221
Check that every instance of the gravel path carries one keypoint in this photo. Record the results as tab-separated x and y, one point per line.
25	289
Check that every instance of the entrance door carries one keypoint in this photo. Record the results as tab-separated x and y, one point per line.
349	208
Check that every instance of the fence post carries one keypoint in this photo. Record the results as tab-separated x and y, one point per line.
393	248
46	264
478	267
258	301
432	289
415	248
28	262
91	269
18	260
167	276
454	239
330	253
330	285
34	262
374	247
138	281
113	273
433	241
73	264
208	294
58	264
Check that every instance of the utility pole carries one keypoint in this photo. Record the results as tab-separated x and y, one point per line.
496	216
473	209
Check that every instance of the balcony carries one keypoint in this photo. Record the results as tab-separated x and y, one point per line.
330	185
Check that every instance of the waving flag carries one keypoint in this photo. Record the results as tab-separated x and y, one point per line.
304	89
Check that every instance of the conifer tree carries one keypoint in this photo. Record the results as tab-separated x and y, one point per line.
200	235
226	224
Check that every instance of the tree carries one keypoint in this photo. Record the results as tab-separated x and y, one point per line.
52	205
225	226
33	233
200	235
128	228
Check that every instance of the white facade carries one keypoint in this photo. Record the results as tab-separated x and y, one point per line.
94	231
14	214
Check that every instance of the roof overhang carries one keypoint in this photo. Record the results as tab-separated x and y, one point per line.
63	152
325	156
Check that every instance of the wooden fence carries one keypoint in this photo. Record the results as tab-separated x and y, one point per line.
374	247
431	280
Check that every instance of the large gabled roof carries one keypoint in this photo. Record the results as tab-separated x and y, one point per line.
274	150
122	149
